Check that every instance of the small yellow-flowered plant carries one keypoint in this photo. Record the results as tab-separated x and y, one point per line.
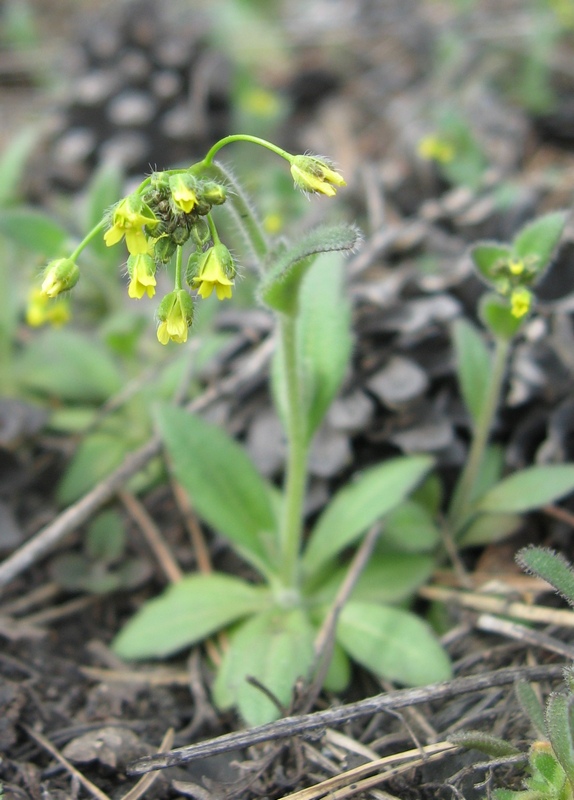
434	148
169	210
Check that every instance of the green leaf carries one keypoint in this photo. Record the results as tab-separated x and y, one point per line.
223	484
188	612
33	230
387	578
392	643
490	472
69	366
96	456
280	287
324	333
488	528
493	746
486	256
474	366
276	648
551	567
529	489
105	188
410	528
106	538
531	706
540	238
13	162
361	503
495	313
559	728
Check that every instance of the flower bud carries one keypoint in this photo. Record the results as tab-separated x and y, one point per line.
214	193
313	174
60	276
183	187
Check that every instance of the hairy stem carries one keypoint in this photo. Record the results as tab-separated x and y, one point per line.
296	468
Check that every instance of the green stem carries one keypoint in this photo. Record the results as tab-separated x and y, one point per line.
213	230
87	239
242	212
178	268
296	468
244	137
460	505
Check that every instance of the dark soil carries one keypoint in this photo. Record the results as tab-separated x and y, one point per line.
360	82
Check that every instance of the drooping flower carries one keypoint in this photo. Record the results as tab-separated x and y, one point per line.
60	275
128	219
41	310
183	189
211	270
313	174
175	314
141	269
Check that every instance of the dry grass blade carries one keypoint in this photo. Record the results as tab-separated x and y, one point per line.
146	781
348	783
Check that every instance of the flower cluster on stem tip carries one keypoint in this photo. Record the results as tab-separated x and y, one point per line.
172	209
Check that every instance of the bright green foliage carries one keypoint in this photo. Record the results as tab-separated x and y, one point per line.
529	489
473	363
550	566
188	612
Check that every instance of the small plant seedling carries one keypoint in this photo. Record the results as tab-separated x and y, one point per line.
171	220
485	506
550	758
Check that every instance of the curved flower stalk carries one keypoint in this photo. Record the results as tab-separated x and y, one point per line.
170	210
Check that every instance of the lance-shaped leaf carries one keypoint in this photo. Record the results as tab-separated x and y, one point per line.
473	366
551	567
223	484
392	643
528	489
34	230
280	287
323	340
359	504
276	648
187	612
559	727
540	239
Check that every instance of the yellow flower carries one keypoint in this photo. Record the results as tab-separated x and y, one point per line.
433	148
516	266
313	174
175	314
59	276
211	270
141	269
520	302
41	310
128	219
183	191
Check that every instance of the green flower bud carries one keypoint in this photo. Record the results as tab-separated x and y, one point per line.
163	250
200	233
214	193
60	275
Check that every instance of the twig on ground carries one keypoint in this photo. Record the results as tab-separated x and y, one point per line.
146	781
293	726
193	528
153	536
